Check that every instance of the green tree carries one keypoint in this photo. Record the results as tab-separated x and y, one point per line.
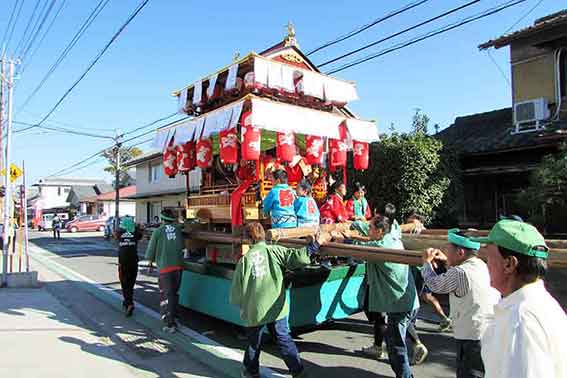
126	154
420	122
406	170
548	187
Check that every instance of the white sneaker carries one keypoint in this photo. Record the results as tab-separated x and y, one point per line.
169	329
445	325
420	353
374	351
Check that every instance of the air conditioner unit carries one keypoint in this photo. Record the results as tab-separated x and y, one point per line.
529	114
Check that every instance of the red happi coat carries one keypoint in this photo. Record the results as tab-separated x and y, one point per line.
333	210
350	209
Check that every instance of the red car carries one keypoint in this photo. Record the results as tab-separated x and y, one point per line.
86	223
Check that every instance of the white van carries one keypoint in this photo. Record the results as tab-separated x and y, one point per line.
45	223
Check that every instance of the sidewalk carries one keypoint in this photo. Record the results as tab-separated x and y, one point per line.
61	331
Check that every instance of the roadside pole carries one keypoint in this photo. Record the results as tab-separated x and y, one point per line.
117	146
2	96
8	196
25	210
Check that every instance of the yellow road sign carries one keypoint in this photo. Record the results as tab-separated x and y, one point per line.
15	172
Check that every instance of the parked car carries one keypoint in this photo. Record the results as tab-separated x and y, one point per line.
86	223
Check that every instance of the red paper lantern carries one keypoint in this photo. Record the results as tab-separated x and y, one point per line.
228	141
204	153
338	149
186	157
251	138
285	146
170	161
314	146
360	155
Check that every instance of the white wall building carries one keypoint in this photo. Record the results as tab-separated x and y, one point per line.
155	191
53	192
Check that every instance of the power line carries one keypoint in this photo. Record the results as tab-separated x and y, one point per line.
75	169
106	148
27	63
10	21
13	26
523	17
37	30
76	164
151	124
86	24
367	26
59	129
96	59
399	33
24	36
442	30
499	68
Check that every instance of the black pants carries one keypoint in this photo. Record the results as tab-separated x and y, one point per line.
469	360
128	273
381	325
56	233
168	287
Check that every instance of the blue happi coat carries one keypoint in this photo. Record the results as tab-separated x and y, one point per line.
279	205
306	211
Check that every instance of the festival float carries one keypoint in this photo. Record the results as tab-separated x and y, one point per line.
272	110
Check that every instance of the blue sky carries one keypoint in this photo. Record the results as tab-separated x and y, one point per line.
174	42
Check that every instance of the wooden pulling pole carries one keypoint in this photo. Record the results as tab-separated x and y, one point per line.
412	256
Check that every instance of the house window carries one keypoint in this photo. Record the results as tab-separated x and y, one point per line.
66	190
58	190
155	172
563	72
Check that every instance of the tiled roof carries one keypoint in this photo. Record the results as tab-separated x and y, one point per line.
491	132
111	195
544	23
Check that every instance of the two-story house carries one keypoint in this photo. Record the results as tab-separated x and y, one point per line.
499	149
155	191
53	193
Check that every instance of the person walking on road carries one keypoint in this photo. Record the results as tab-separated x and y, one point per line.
391	290
259	290
166	249
56	224
527	336
471	297
128	235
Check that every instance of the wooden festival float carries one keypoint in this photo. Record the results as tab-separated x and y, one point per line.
262	112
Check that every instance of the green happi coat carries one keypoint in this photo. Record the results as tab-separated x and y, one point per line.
258	282
166	247
391	285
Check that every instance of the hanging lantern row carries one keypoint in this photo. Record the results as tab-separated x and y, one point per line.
184	158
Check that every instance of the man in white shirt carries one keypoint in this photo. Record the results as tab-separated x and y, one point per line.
471	297
527	338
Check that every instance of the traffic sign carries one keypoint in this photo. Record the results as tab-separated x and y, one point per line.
15	172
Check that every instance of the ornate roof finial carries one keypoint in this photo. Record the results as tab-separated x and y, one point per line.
236	56
290	38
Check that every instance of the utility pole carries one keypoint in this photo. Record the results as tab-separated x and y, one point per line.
2	87
8	196
117	146
25	210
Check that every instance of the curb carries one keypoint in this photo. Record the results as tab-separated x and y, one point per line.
219	358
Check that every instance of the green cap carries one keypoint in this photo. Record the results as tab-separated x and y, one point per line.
127	224
462	241
517	236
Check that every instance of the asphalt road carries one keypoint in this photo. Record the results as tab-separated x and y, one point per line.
328	352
